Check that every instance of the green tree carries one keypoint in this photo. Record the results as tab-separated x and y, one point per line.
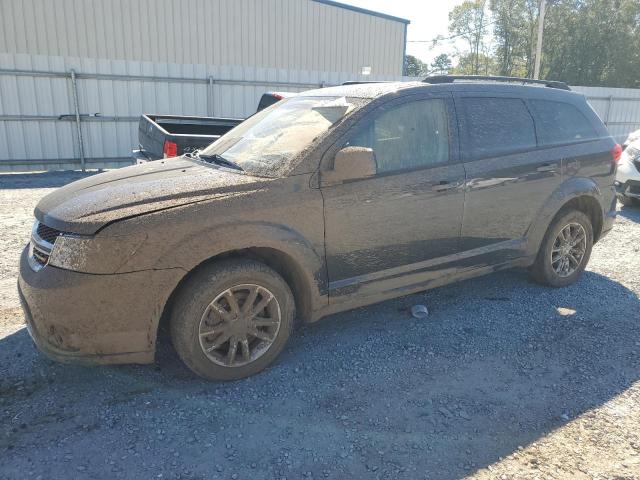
467	64
414	67
586	42
514	32
467	21
441	64
592	42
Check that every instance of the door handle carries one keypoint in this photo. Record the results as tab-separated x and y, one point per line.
443	185
547	167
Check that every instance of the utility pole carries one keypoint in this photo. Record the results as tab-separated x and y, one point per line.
536	68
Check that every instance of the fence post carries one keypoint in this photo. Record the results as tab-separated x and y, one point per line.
608	112
210	96
74	87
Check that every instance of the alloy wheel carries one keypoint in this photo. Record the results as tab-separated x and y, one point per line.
568	249
239	325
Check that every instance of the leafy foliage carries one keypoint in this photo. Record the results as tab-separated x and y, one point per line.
593	42
441	65
467	21
414	67
514	31
586	42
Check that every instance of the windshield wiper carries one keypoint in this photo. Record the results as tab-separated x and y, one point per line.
219	160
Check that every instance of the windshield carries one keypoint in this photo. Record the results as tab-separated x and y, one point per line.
266	143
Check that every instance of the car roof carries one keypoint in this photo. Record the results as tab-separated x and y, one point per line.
378	89
361	90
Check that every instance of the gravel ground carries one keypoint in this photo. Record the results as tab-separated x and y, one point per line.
505	379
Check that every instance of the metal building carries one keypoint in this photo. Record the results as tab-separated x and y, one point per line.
64	61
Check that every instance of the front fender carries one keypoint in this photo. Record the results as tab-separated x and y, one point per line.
201	246
573	188
310	275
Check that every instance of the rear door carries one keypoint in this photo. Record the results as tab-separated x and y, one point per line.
566	132
508	178
393	229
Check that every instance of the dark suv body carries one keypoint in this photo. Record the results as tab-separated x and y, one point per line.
327	201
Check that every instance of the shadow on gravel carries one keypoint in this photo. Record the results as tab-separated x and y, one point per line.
41	179
630	213
364	394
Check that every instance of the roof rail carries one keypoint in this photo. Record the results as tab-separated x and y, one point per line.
358	82
523	81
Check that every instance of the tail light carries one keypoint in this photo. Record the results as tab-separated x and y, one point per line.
616	153
171	149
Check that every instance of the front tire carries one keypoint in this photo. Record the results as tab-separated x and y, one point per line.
565	250
232	319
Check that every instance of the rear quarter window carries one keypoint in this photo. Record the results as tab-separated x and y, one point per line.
559	122
496	126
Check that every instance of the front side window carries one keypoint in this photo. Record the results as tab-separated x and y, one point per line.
560	122
496	126
411	135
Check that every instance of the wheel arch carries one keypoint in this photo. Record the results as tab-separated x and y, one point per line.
591	208
303	284
582	194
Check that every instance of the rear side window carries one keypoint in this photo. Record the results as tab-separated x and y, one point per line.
496	126
408	136
559	122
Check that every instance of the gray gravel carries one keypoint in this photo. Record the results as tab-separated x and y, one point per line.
494	383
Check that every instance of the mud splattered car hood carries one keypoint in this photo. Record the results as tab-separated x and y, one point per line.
86	205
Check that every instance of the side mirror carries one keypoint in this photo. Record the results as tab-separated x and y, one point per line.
351	163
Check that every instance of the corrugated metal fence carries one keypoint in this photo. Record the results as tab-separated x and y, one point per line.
619	108
62	113
44	127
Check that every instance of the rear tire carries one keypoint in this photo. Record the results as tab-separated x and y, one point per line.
232	319
565	250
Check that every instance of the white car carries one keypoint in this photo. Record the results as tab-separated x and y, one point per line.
633	136
628	175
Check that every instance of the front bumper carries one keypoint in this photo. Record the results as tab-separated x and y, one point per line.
631	189
94	319
628	178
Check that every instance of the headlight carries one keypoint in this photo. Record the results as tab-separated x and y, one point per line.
94	254
633	136
632	153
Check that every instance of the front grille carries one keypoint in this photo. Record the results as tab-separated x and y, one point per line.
41	244
47	234
40	256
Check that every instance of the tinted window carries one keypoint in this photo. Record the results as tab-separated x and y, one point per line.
560	122
496	126
411	135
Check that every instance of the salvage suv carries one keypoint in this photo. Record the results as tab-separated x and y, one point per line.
330	200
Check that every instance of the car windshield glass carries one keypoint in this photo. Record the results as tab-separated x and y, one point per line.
267	143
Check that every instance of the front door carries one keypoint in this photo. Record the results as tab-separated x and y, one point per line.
392	230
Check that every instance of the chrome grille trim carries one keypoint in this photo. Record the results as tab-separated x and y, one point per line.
39	247
37	240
